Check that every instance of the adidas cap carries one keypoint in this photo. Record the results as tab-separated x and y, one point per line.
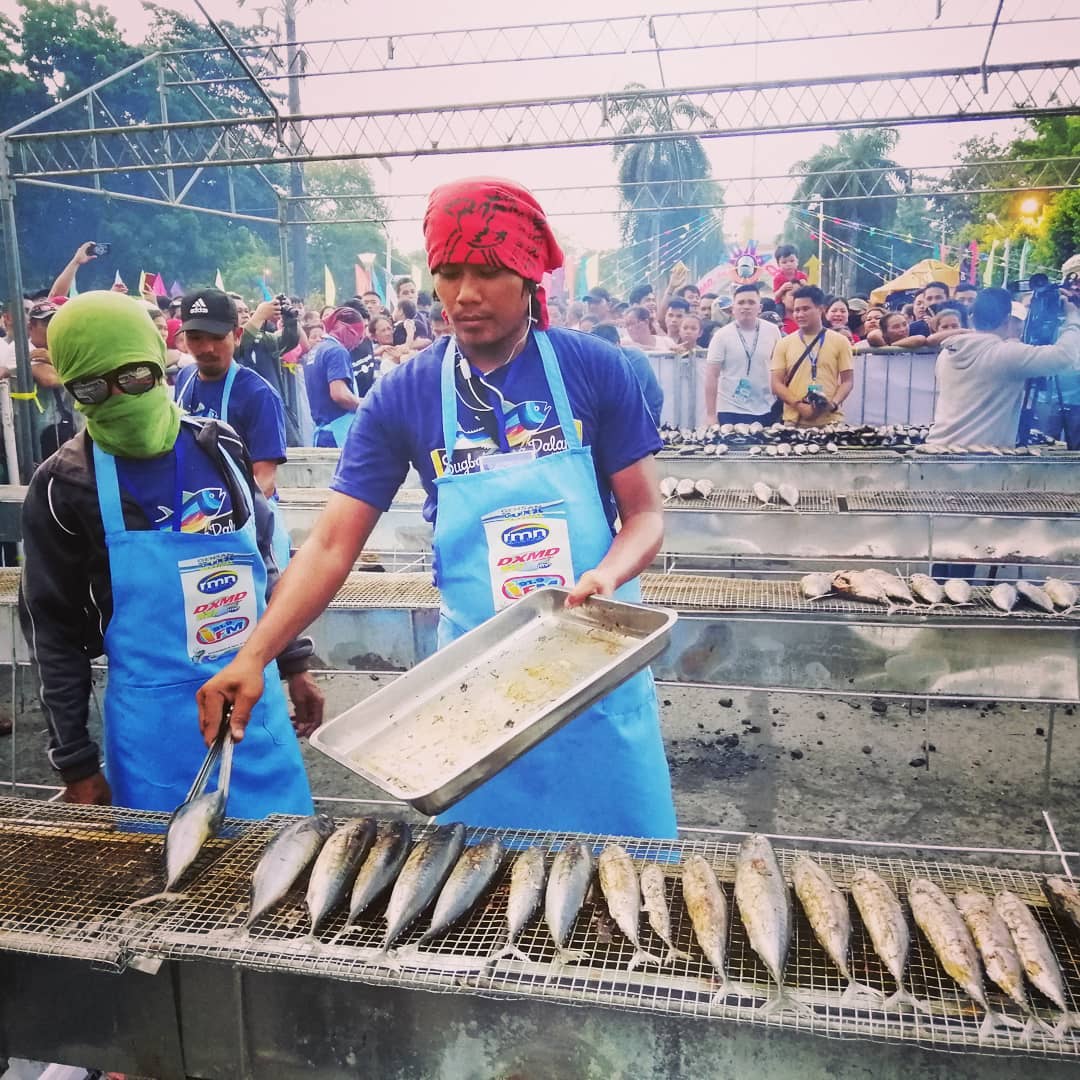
208	310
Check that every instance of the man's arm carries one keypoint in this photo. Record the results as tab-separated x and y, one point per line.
267	310
843	391
637	495
265	476
314	575
62	285
41	367
1036	360
712	383
342	395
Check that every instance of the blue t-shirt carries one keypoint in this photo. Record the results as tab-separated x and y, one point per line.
152	482
329	361
256	412
646	377
400	421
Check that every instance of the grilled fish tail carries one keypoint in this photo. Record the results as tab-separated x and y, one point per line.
903	997
643	956
855	991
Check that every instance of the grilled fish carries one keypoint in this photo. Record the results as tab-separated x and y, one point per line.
380	869
1035	596
995	945
765	909
1040	963
427	867
468	881
957	591
285	858
684	489
707	907
622	891
192	824
1063	594
815	586
668	486
1003	596
884	920
895	587
568	882
861	585
927	590
336	867
704	488
721	448
527	877
826	908
654	899
1064	898
788	493
763	493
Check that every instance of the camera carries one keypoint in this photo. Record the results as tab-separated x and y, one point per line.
1046	311
819	401
98	249
288	312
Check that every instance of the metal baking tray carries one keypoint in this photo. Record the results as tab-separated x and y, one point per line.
457	718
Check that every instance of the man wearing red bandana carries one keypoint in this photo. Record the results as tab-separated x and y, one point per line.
529	441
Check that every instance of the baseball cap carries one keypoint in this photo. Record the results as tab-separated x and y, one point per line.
858	304
42	310
208	310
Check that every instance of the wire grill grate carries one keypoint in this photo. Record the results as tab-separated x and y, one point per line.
965	502
9	584
747	502
207	926
367	590
742	453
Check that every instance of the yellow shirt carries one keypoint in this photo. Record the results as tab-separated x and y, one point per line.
833	358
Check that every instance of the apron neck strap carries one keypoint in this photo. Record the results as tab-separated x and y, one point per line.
108	492
226	391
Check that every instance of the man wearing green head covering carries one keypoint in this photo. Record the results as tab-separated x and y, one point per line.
148	540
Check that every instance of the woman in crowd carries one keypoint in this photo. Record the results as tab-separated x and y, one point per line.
894	331
948	322
641	330
381	329
871	319
838	318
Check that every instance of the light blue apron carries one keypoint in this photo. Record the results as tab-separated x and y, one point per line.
339	428
605	771
153	746
280	540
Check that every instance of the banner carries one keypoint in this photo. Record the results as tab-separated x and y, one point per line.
329	290
973	267
988	273
176	289
159	286
363	280
219	281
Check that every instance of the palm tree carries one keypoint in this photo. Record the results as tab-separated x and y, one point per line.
858	182
660	180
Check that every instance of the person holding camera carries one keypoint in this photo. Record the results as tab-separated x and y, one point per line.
812	371
981	376
261	348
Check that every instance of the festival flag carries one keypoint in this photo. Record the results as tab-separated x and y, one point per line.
1025	254
329	291
158	286
581	283
363	280
117	279
813	270
592	272
988	273
391	292
266	293
1005	261
176	289
973	268
219	281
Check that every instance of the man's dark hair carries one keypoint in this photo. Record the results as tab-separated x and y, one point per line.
638	312
639	292
423	299
408	309
620	307
769	306
687	288
599	293
403	281
991	308
745	288
162	303
811	293
608	331
784	250
357	305
708	328
709	296
965	286
938	285
678	304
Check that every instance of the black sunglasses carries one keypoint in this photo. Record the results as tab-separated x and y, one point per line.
135	378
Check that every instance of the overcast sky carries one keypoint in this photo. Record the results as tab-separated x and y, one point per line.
899	46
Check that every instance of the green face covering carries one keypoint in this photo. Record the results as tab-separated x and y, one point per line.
96	333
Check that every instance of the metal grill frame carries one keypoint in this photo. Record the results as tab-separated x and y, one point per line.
206	929
983	503
742	500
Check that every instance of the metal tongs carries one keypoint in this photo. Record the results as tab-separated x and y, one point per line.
221	750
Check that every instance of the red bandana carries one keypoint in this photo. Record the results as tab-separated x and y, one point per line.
495	222
347	326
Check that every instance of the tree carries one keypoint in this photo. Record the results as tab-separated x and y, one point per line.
672	174
867	198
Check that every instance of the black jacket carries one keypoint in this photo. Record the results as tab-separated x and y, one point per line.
65	596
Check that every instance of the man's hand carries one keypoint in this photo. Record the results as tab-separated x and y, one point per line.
680	275
84	254
308	703
805	410
90	791
120	287
267	311
595	582
240	684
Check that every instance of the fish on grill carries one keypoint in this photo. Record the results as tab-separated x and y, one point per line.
995	945
527	877
290	852
380	869
654	901
789	494
949	937
470	879
815	586
707	906
568	882
763	493
685	489
704	488
862	585
1003	596
885	922
826	909
957	591
191	825
1035	596
425	870
668	486
761	895
927	590
895	587
336	867
1040	963
622	891
1064	898
1063	594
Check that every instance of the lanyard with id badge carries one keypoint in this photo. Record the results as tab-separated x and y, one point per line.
743	388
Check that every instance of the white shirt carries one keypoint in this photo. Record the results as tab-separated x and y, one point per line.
744	354
7	354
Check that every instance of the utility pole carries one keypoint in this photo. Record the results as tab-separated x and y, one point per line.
297	229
